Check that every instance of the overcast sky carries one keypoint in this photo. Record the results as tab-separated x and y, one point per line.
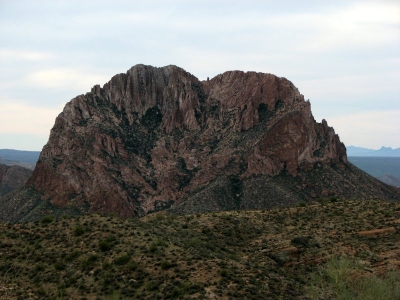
344	56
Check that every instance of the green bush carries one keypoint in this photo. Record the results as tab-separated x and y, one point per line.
105	245
302	204
224	272
132	266
89	262
47	219
300	241
72	255
92	258
151	285
194	242
333	199
165	265
79	230
122	260
153	248
59	266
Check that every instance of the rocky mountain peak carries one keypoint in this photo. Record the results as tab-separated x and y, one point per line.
158	138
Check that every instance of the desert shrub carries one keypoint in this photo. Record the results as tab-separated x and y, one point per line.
72	255
194	242
132	266
343	278
374	287
302	204
160	217
300	241
122	260
165	265
41	291
153	248
47	219
39	267
59	265
92	258
111	238
224	272
333	199
151	285
105	245
78	230
89	262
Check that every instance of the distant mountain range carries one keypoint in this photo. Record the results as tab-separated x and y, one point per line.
384	151
20	155
26	159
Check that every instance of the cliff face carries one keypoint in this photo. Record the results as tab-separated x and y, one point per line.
156	138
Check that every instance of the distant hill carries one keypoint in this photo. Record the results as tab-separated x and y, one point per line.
386	169
390	179
20	155
26	159
383	164
384	151
12	178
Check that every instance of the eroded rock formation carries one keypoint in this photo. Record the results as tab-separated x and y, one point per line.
157	138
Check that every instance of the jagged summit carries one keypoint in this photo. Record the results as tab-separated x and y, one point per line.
158	138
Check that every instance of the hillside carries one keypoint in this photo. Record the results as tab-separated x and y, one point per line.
324	250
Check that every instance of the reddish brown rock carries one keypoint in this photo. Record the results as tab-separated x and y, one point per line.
155	138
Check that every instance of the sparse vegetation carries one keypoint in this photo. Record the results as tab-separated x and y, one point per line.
343	278
324	250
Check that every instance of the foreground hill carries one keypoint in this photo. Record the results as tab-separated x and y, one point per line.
327	250
158	138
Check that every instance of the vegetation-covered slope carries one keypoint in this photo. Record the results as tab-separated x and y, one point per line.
271	254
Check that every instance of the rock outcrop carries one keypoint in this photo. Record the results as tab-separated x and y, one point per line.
158	138
12	178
